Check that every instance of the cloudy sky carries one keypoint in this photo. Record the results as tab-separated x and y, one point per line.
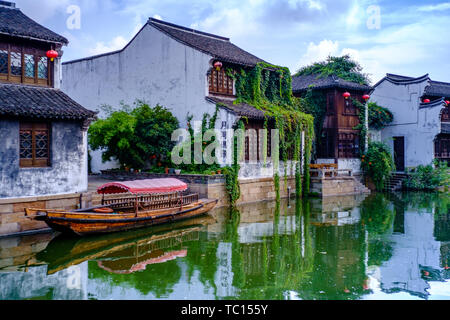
408	37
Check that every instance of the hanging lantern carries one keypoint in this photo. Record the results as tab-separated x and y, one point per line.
447	102
52	54
426	100
346	95
218	65
366	97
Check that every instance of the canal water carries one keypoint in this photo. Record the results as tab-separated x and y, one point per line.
377	247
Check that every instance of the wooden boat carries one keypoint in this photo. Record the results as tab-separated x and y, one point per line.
134	204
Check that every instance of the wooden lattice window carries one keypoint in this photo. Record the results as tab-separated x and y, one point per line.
23	64
34	144
30	66
42	68
16	63
348	145
220	82
4	61
442	147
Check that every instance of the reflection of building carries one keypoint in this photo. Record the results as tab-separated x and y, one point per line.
69	284
416	256
336	211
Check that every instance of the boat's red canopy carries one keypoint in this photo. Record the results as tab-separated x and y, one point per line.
167	185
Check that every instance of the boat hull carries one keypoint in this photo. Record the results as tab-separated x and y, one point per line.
88	223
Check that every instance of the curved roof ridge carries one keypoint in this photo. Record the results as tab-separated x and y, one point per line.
434	103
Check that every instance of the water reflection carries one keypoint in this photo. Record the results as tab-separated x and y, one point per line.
379	247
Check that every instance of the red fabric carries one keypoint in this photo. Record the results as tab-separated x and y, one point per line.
144	186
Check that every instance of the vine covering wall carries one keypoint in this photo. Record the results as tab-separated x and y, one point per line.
269	88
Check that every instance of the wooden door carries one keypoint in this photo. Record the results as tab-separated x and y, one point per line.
399	153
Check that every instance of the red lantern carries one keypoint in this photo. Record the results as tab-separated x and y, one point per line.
447	102
52	54
426	100
346	95
218	65
366	97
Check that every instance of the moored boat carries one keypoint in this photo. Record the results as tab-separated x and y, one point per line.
133	204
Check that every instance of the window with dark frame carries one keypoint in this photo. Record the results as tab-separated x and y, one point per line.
34	144
220	82
348	145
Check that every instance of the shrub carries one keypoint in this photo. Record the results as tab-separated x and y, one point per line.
377	163
428	177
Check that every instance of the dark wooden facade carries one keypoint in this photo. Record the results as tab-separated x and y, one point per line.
24	61
339	139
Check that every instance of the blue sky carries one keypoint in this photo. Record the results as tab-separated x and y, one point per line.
408	37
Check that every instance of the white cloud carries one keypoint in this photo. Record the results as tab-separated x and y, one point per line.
116	44
319	52
437	7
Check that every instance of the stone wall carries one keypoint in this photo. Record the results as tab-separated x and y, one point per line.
12	214
338	186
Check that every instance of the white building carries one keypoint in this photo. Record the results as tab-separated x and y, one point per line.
420	131
169	65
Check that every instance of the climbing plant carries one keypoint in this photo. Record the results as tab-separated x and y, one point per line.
361	126
269	88
379	117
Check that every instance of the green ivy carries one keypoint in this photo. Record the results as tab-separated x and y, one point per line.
361	126
269	88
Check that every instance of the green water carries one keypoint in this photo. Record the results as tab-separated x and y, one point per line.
379	247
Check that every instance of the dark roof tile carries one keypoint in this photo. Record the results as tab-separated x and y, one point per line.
438	89
40	102
240	109
303	83
14	23
219	47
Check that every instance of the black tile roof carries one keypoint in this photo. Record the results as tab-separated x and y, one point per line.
438	89
40	102
14	23
303	83
219	47
239	109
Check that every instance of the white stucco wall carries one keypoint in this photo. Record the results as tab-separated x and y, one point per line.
419	126
154	68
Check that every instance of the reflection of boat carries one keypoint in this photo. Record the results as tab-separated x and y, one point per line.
145	203
138	245
130	266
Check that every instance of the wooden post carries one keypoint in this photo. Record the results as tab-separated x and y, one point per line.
181	198
136	206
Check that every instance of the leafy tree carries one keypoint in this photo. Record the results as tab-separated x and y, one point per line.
134	137
154	127
343	67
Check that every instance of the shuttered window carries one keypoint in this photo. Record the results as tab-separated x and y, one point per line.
220	82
